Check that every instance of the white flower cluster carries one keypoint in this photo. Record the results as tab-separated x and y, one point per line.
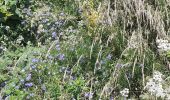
124	92
154	85
157	77
163	45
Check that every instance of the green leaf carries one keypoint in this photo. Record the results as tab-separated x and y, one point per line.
8	91
8	14
3	9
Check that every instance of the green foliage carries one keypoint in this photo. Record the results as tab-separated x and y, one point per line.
5	6
73	49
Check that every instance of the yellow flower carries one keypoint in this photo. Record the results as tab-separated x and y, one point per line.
90	14
93	18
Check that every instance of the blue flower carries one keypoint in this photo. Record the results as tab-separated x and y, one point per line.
33	66
35	60
61	56
73	77
29	84
54	34
32	94
50	57
28	77
119	65
109	57
111	98
58	47
88	95
17	87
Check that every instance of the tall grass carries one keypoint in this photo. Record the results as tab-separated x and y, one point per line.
92	49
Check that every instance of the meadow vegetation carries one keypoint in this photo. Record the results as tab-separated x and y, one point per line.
84	50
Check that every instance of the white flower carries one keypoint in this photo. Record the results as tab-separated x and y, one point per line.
157	76
124	92
163	45
154	85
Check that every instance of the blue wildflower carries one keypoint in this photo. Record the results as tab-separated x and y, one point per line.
119	65
32	94
109	57
54	34
88	95
28	77
61	56
73	78
58	47
33	66
111	98
17	87
50	57
29	84
35	60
